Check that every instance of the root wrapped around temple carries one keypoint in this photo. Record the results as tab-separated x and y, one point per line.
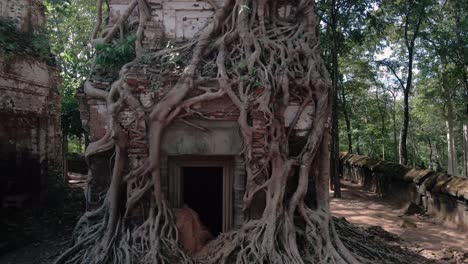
263	58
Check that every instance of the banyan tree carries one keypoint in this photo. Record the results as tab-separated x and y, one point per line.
224	98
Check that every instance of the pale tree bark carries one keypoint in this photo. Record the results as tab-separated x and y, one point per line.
382	111
451	151
449	122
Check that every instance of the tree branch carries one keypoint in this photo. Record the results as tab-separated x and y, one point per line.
392	69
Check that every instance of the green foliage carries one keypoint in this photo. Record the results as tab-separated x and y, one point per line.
69	28
75	145
368	32
111	57
14	42
71	122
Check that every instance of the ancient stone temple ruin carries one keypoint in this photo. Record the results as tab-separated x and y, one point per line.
201	150
30	133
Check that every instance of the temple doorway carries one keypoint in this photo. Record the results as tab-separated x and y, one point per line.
203	192
205	185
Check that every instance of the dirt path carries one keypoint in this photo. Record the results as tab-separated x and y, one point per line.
43	251
38	238
415	233
419	234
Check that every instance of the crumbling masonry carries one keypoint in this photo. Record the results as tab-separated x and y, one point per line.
30	132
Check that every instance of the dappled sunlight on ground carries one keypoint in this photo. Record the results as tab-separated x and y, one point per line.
418	233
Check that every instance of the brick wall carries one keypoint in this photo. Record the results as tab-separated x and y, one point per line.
30	132
30	127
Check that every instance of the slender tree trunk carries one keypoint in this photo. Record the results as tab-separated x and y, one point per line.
410	40
382	112
451	151
449	121
65	160
347	121
383	139
414	150
358	147
395	140
335	145
404	129
430	153
465	146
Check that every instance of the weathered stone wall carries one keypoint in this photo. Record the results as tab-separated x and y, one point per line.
442	196
30	132
178	19
30	128
28	14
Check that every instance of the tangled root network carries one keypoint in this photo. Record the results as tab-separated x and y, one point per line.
262	54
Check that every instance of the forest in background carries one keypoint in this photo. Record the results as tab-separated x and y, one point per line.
399	72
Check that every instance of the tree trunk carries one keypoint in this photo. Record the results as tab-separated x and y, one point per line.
382	111
395	140
465	147
406	117
335	144
358	146
414	150
451	151
410	44
449	119
383	142
347	118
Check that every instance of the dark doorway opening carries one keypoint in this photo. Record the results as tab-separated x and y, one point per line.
203	192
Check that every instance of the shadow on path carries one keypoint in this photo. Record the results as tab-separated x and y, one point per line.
419	234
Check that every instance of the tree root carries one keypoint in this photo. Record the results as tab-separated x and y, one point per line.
372	250
249	244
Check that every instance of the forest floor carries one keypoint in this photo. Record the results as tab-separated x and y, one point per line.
385	219
42	238
38	237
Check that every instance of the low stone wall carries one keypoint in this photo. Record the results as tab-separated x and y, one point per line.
441	196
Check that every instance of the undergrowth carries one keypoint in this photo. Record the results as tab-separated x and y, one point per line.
110	58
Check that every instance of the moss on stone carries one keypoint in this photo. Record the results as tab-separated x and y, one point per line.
16	43
427	180
361	161
392	170
456	186
428	184
417	175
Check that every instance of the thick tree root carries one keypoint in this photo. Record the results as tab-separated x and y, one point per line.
152	241
250	244
370	249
